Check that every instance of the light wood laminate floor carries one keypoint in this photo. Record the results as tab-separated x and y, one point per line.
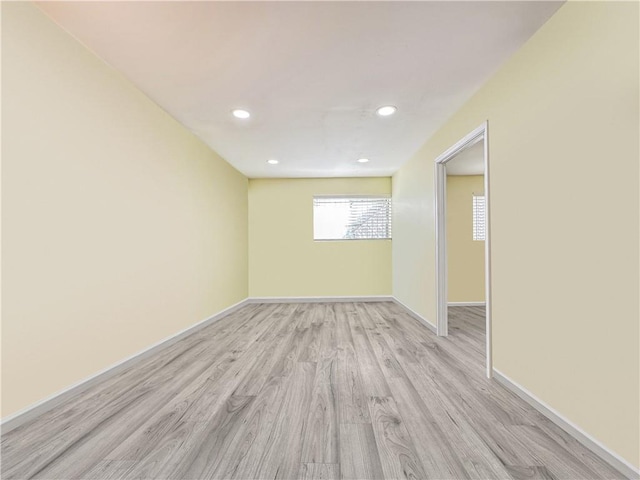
343	390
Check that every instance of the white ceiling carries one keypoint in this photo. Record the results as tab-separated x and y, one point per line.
469	161
311	73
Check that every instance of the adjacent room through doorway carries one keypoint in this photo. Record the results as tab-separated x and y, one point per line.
465	220
462	244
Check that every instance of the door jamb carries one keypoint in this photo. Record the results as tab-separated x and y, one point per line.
478	134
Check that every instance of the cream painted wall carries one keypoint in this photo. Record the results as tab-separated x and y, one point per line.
563	130
465	257
120	228
284	260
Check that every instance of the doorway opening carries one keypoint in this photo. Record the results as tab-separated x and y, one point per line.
470	297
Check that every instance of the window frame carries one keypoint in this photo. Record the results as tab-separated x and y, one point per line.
475	230
385	196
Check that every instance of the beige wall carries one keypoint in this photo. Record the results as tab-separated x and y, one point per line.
284	260
465	257
120	228
564	148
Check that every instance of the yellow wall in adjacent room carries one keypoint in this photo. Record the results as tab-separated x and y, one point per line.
285	261
465	257
564	123
120	228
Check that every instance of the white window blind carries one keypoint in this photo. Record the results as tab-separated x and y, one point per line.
479	218
351	218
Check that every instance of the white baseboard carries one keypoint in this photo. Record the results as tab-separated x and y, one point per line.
613	459
23	416
466	304
369	298
415	315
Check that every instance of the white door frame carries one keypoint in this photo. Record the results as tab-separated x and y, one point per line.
479	134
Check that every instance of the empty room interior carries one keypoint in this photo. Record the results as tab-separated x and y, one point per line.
320	240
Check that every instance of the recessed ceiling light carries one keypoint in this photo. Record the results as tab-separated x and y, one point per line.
239	113
272	162
386	110
363	160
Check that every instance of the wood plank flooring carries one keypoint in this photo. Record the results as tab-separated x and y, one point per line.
304	391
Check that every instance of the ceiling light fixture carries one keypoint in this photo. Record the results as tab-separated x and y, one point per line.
363	160
386	110
239	113
272	162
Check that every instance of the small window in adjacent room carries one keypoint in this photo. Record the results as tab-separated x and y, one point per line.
351	217
478	218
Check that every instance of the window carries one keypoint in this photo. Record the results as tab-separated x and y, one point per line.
351	218
479	220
